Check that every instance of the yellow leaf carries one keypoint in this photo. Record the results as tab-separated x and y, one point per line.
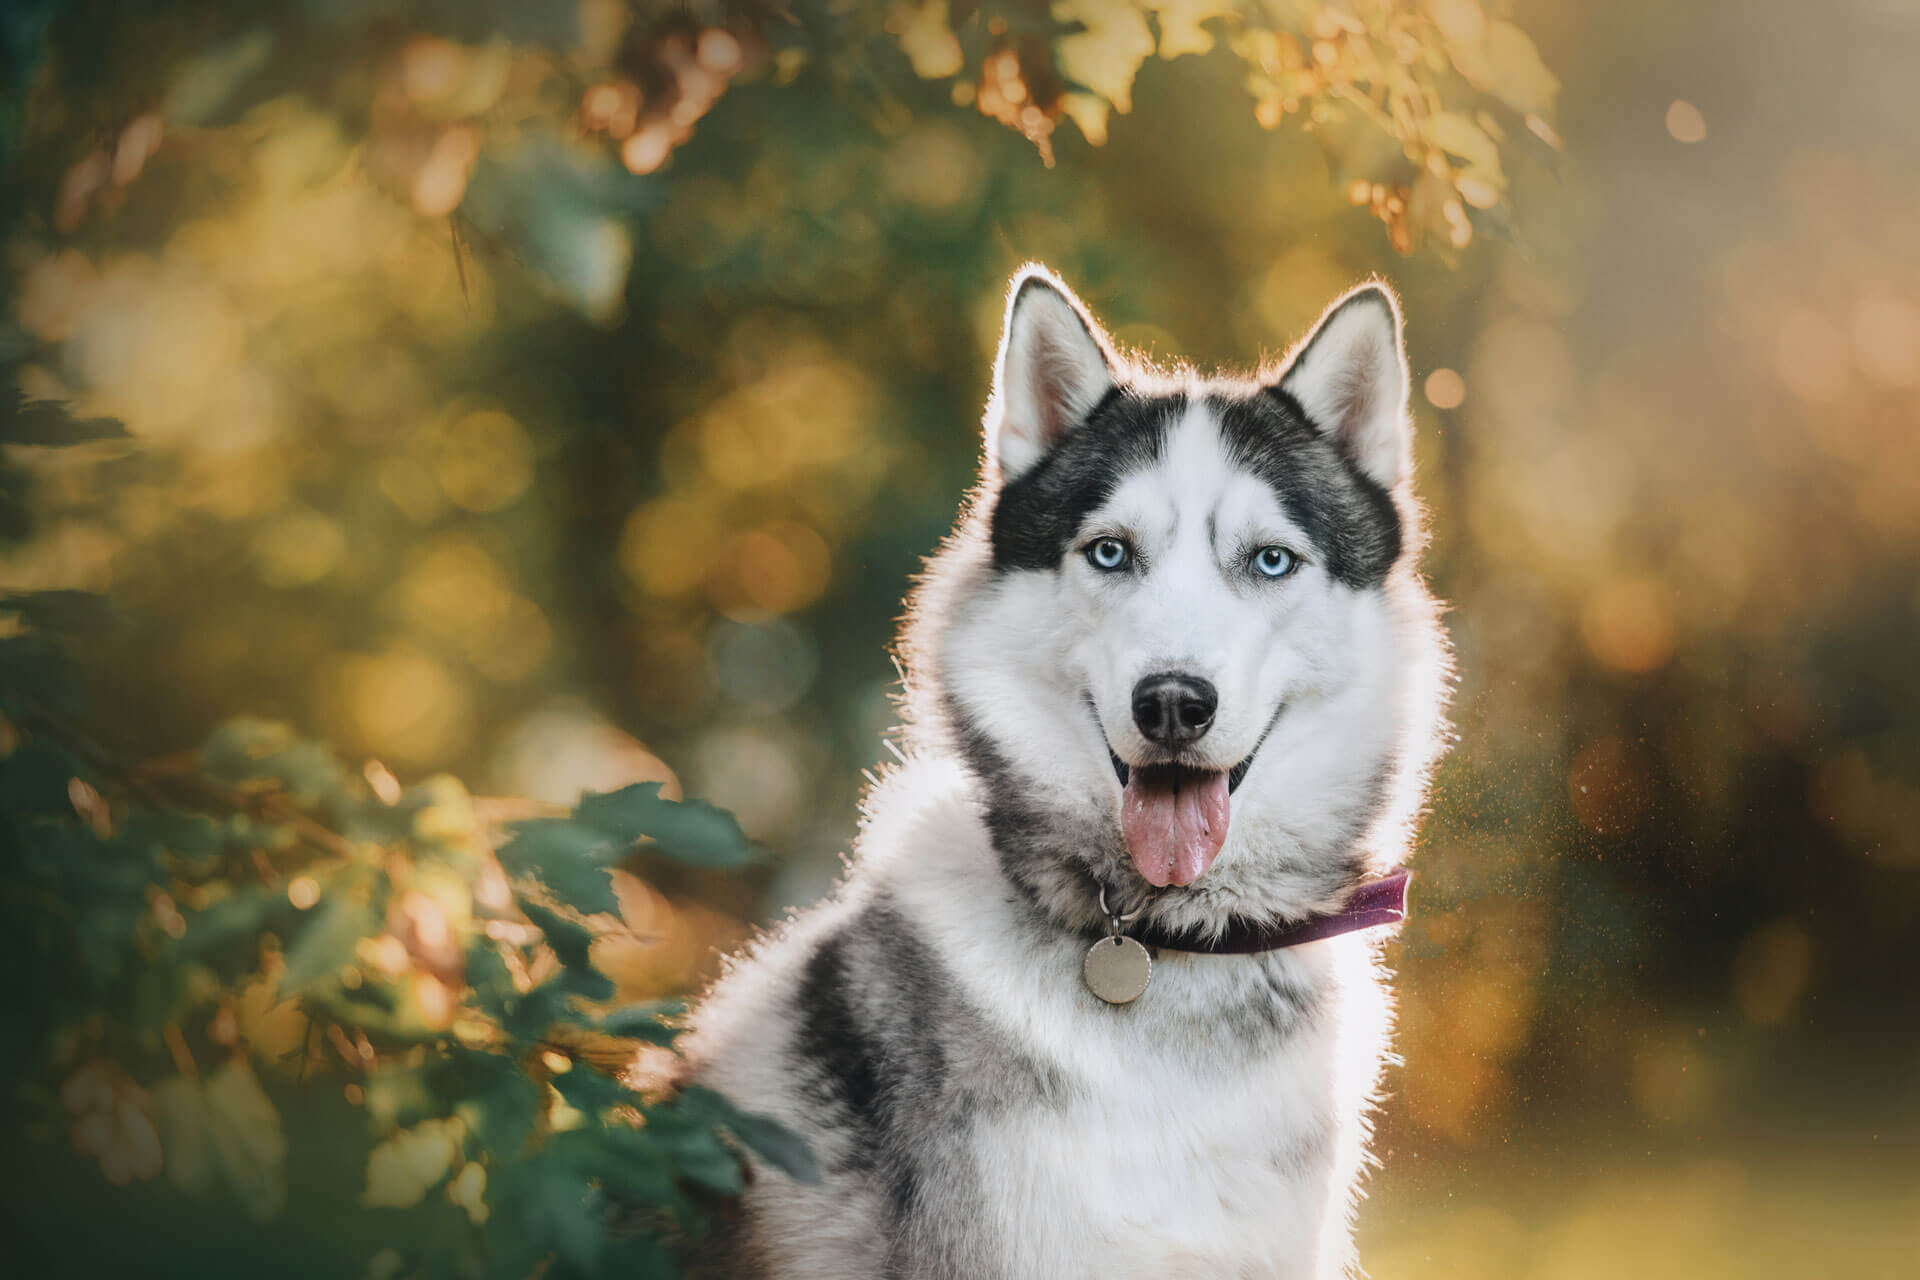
447	817
138	1149
926	36
469	1190
247	1138
1107	55
1461	21
1090	112
274	1028
1180	29
1517	76
1455	133
1477	191
186	1135
411	1163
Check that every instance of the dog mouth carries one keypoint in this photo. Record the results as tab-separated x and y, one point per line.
1174	816
1235	776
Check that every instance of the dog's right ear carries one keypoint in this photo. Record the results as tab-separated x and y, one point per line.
1054	366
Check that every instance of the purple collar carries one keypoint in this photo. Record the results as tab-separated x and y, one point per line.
1376	902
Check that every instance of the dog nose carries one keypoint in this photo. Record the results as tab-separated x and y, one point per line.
1172	711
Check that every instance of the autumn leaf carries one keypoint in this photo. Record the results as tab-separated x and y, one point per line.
1456	134
186	1134
1090	112
224	1130
1108	54
926	35
1507	65
1180	22
401	1170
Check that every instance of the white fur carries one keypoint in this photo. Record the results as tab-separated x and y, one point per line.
1054	365
1354	668
1351	377
1163	1165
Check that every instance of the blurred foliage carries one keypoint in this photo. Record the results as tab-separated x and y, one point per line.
251	928
538	393
526	122
257	928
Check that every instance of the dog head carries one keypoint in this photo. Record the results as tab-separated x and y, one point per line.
1180	636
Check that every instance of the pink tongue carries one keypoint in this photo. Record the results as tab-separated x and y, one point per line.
1174	823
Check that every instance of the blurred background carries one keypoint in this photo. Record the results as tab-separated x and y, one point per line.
563	395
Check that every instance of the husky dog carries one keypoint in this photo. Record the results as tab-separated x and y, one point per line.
1174	678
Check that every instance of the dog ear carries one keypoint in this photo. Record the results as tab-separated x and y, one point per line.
1054	366
1350	376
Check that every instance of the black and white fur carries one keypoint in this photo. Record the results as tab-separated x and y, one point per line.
977	1112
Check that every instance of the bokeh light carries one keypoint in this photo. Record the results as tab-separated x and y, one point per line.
1685	122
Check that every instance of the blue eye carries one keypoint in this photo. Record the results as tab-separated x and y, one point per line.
1109	555
1274	562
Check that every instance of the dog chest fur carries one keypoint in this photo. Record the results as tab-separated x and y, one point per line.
1209	1129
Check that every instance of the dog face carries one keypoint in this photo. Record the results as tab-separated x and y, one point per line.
1184	648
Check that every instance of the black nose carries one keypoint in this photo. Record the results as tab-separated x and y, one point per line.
1174	710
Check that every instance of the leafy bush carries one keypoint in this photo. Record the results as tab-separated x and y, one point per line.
253	921
229	935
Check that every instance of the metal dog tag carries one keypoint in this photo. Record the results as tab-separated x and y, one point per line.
1117	969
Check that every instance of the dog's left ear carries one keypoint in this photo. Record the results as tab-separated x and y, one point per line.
1054	367
1351	378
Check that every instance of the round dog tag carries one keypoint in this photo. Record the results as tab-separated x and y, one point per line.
1117	969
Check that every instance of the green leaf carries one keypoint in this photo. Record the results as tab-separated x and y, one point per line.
32	662
47	422
565	211
60	610
575	1217
537	1010
573	945
545	1206
33	781
692	831
488	975
568	858
766	1137
498	1101
585	888
646	1021
186	835
638	1258
160	996
569	941
248	749
591	1090
325	945
633	1164
587	983
704	1159
539	842
506	1113
206	83
228	920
